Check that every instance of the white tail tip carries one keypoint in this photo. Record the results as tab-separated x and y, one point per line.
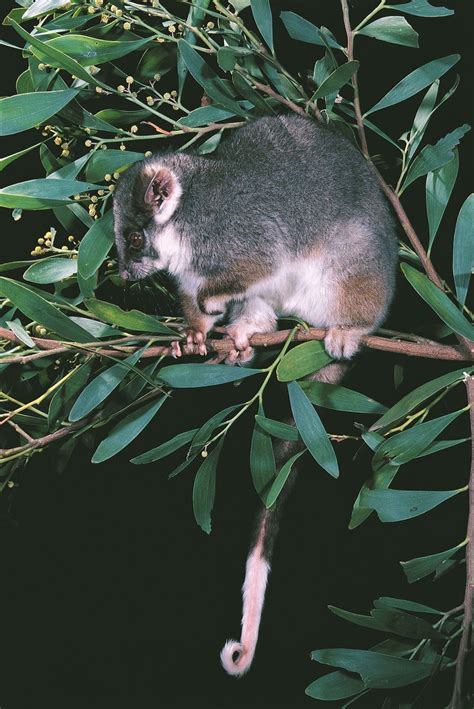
235	660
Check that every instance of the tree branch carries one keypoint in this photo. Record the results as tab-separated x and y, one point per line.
397	344
457	699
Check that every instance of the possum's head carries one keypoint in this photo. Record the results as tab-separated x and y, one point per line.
146	202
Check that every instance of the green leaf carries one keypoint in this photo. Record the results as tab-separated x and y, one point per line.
333	396
189	376
29	110
127	319
37	308
392	29
63	398
227	57
164	449
95	245
377	671
14	156
405	605
262	14
342	75
300	29
204	433
441	446
302	360
196	14
397	505
90	51
439	185
312	430
463	249
110	161
41	193
380	480
435	156
408	444
416	81
244	88
438	301
262	457
206	77
204	489
210	144
102	386
277	429
416	397
281	479
334	686
422	566
126	431
96	328
421	8
392	621
51	270
40	7
57	58
205	115
422	116
20	332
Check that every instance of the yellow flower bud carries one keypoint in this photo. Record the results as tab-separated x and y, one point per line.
70	238
64	248
65	153
47	243
167	96
99	90
58	140
94	199
88	143
41	240
107	177
122	146
148	154
127	26
129	80
116	175
120	88
171	29
134	129
150	100
111	188
174	93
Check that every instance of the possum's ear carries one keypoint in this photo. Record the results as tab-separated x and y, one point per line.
162	193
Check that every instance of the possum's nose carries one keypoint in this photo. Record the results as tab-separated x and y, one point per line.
124	274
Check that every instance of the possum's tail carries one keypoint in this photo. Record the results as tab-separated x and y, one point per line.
237	656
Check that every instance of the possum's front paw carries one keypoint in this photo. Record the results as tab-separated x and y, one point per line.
195	339
240	332
343	343
240	356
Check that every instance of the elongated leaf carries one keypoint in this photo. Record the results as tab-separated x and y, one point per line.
406	445
95	245
439	185
204	489
188	376
262	14
334	686
281	479
377	671
40	7
51	270
397	505
204	115
302	360
102	386
196	14
463	249
438	301
37	308
14	156
57	58
20	332
91	51
304	31
422	566
416	81
392	29
380	480
127	319
96	328
205	76
422	116
342	75
165	449
227	57
207	429
262	458
416	397
391	621
71	170
245	89
62	399
435	156
421	8
31	109
126	431
110	161
278	429
333	396
441	446
405	605
312	430
210	144
41	193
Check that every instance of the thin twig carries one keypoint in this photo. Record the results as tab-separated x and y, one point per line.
457	699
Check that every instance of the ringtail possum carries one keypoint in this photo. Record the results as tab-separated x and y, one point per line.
285	218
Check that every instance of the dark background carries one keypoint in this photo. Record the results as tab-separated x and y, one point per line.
111	595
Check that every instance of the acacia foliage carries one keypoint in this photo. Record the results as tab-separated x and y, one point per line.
90	365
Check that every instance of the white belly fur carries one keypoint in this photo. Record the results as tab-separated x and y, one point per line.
305	289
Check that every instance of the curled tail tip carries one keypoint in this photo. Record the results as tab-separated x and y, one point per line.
235	659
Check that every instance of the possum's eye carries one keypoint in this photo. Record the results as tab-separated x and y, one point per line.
135	240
